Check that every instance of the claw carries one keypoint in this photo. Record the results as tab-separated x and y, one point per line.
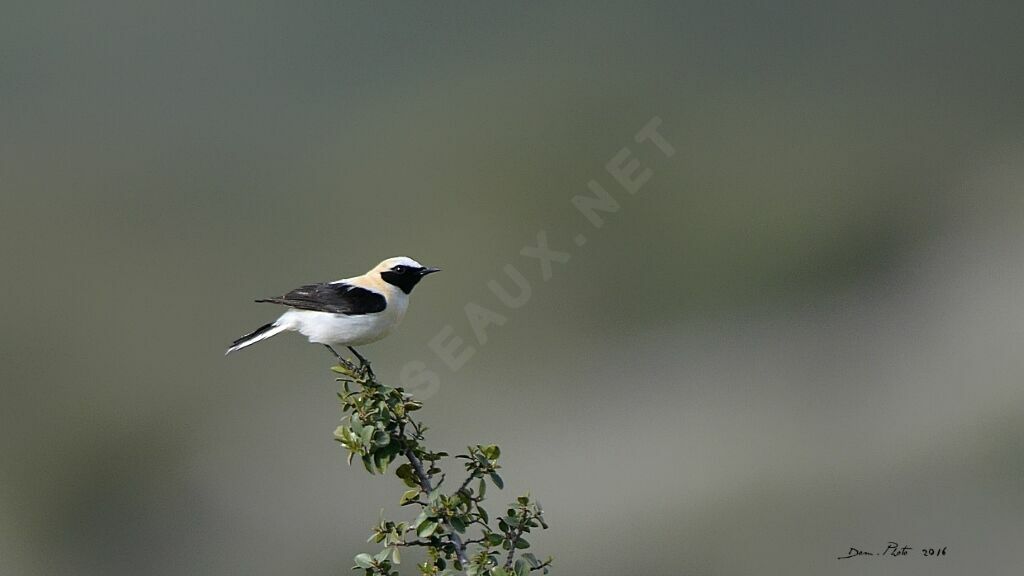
364	364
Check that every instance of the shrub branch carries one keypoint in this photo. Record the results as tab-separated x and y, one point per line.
378	429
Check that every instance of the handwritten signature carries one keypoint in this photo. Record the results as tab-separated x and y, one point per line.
894	550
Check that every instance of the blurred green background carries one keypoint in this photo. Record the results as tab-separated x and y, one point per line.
802	335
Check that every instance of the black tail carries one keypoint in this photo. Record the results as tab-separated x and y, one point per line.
265	331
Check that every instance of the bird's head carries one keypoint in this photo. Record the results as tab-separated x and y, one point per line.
402	272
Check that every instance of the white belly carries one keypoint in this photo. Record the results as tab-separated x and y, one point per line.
338	329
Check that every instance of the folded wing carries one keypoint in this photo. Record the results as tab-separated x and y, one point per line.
333	297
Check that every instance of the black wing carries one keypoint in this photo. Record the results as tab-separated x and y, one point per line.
333	297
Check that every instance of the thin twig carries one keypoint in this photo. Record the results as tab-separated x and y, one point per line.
464	485
515	533
542	565
416	543
421	475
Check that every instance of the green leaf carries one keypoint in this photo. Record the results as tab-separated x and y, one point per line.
524	500
497	480
364	561
382	555
521	568
409	496
426	529
494	539
458	525
381	438
521	543
408	475
381	461
368	463
395	556
421	518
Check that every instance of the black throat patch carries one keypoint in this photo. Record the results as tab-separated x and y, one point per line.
405	281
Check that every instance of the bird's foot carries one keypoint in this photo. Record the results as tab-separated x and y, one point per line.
342	361
348	365
364	364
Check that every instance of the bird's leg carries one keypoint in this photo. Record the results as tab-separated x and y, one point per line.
363	361
342	361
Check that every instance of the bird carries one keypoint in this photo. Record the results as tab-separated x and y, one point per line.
348	312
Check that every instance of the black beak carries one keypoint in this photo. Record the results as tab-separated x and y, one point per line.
425	271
